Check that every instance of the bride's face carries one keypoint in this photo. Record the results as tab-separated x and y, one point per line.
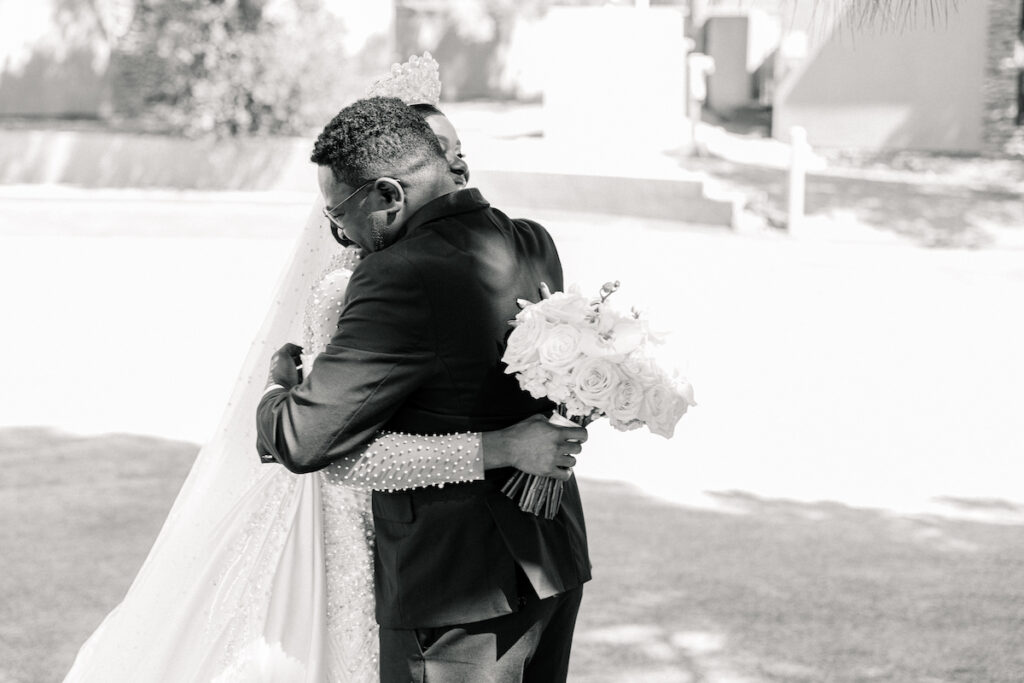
451	146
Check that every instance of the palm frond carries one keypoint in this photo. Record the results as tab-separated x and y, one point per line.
898	15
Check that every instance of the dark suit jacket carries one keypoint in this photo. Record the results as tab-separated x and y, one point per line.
418	350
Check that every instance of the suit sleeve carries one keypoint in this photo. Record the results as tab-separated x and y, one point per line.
384	351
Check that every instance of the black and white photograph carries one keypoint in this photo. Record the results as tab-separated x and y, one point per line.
483	341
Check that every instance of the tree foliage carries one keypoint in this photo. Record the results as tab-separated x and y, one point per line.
230	67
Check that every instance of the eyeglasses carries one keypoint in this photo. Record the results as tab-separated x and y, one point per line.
337	228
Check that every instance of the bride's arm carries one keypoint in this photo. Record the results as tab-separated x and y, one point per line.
395	461
392	460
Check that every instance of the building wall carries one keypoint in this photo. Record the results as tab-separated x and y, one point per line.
1000	130
743	46
916	88
485	50
726	40
649	105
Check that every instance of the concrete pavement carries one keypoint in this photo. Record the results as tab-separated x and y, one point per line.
854	370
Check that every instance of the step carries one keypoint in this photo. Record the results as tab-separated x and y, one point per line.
672	199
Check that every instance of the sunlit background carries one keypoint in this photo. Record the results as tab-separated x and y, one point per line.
822	200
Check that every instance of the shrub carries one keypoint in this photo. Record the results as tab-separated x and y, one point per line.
232	67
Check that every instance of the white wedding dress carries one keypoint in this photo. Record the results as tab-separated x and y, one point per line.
260	575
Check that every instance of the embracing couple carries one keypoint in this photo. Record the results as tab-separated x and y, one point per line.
300	573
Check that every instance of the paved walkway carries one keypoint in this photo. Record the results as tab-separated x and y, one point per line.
848	369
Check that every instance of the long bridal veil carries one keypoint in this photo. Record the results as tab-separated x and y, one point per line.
233	588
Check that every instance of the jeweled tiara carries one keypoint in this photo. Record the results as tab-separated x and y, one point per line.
417	81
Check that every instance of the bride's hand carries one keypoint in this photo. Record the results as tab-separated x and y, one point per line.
534	446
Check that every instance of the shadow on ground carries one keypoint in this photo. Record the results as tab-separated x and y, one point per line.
759	590
80	514
784	591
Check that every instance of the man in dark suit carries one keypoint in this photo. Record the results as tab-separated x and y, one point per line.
468	586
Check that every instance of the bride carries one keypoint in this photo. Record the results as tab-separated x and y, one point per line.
261	575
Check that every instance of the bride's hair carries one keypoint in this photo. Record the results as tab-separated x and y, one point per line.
375	137
426	110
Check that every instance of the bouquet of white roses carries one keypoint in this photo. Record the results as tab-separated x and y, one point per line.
593	361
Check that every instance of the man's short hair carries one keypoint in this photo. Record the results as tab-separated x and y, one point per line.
374	137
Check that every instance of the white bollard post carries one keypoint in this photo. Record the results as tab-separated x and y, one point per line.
797	177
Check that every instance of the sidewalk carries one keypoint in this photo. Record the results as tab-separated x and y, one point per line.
926	200
843	369
921	199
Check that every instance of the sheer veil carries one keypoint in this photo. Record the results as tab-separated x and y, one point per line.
233	588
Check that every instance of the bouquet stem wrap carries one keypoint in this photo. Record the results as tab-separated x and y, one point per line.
539	495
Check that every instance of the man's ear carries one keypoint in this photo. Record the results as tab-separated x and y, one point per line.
389	194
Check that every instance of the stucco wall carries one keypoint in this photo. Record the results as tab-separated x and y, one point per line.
643	77
920	88
105	159
96	159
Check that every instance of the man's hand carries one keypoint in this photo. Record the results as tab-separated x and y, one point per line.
545	293
534	446
286	366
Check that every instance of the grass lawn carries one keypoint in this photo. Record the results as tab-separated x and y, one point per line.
767	591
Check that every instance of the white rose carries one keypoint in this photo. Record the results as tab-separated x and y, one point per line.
626	426
559	348
596	382
523	343
565	307
626	401
642	369
664	405
657	408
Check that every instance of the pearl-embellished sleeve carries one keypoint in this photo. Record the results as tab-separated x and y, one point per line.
395	461
392	461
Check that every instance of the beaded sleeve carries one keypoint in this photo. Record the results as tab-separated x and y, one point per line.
393	461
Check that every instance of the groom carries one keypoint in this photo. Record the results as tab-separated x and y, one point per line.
468	587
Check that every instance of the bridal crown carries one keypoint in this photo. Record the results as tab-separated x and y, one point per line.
417	81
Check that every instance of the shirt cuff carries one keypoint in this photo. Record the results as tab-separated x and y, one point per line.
271	387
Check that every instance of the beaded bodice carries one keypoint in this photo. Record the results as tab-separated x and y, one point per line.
323	307
392	461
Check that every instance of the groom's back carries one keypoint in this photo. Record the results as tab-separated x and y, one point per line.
474	267
457	554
